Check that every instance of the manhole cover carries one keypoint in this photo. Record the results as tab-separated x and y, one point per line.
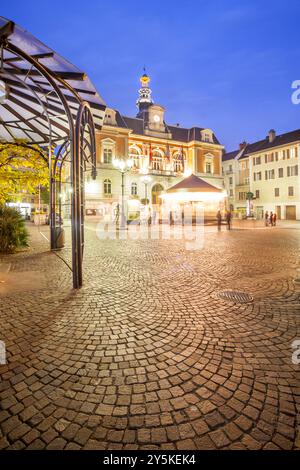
234	296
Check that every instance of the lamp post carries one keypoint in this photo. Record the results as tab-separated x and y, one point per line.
146	180
123	165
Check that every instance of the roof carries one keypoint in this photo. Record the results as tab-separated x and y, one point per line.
265	144
32	105
194	184
283	139
230	155
181	134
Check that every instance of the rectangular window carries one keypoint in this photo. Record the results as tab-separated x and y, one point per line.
230	180
276	192
276	156
107	155
270	174
257	194
288	153
231	192
291	190
292	170
208	167
280	172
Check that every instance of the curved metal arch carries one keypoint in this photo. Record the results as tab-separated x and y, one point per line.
84	126
78	145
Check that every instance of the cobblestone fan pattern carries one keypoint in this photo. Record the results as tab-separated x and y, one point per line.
146	355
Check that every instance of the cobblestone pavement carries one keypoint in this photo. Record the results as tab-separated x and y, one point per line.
146	355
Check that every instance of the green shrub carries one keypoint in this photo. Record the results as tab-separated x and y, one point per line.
13	233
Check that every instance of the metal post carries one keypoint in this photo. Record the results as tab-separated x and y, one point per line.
123	220
74	215
52	212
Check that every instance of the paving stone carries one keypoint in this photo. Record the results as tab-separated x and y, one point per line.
145	355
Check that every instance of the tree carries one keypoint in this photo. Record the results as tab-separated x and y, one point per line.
13	233
23	168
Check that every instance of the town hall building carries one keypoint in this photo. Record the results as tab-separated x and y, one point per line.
161	155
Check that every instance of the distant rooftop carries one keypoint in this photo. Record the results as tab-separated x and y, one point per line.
265	144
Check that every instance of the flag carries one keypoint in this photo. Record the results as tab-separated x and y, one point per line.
168	152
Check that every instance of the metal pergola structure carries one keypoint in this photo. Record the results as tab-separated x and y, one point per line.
50	102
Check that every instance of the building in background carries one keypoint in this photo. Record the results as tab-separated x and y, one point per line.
264	176
165	153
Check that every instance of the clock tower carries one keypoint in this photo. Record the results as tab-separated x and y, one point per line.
144	100
152	114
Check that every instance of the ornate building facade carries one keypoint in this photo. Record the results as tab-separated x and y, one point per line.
165	153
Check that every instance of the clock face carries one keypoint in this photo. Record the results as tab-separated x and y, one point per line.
156	118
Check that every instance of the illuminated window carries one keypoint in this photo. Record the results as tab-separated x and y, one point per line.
134	154
157	161
107	186
107	155
208	167
134	189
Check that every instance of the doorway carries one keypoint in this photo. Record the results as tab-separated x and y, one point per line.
156	191
290	212
278	212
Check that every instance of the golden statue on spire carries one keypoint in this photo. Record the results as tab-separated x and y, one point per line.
145	79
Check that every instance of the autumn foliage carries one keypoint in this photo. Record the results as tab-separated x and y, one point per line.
23	168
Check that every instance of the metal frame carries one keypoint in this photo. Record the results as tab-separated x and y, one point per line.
60	114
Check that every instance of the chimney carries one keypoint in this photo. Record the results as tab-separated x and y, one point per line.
272	135
243	145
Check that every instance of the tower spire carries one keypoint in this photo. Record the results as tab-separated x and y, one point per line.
144	100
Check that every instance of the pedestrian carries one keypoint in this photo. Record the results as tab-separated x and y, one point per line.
271	218
228	219
274	219
267	218
219	219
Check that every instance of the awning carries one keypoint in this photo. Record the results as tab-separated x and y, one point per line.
193	189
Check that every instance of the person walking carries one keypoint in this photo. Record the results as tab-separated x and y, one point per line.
267	218
274	219
271	219
219	220
228	219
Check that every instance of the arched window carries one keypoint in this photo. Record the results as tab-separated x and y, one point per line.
107	155
177	162
135	155
107	186
157	161
133	189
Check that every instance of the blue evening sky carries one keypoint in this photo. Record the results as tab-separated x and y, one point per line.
223	64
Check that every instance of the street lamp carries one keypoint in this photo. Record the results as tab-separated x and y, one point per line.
146	180
123	165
